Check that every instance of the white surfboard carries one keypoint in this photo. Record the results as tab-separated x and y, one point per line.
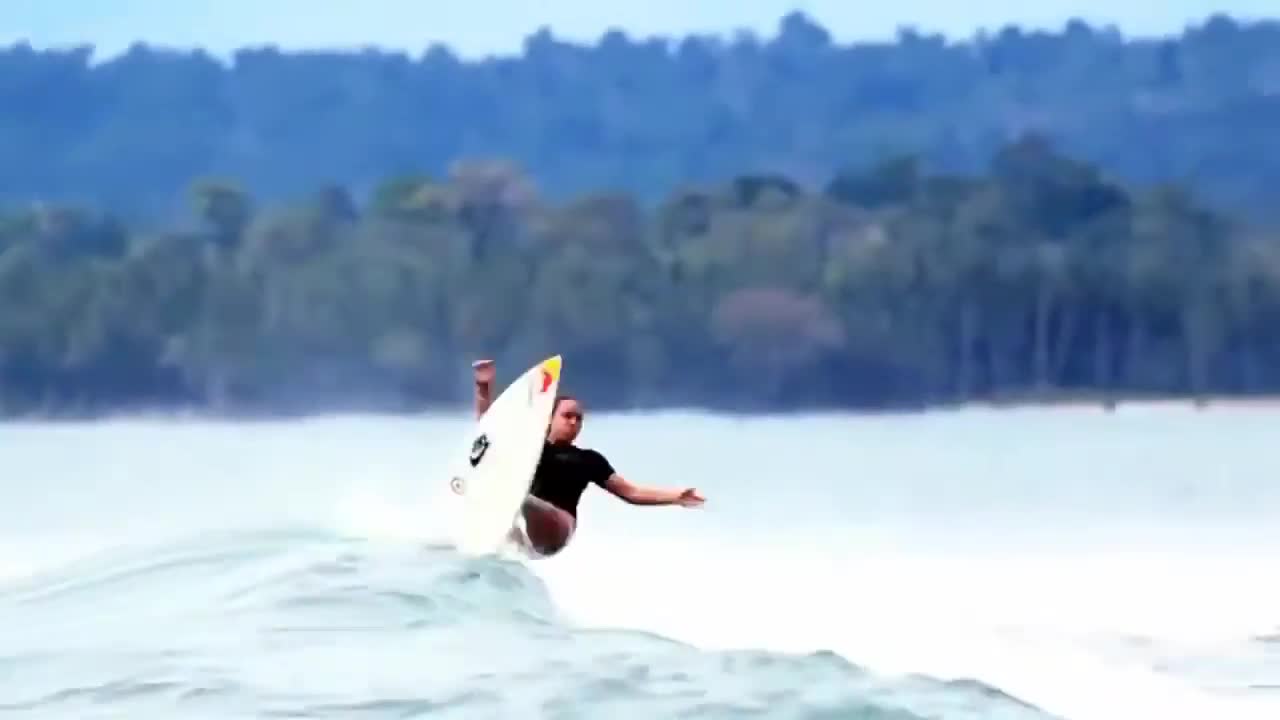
495	467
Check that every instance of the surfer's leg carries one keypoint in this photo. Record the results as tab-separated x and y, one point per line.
547	526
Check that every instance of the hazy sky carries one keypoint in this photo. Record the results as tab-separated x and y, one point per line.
477	27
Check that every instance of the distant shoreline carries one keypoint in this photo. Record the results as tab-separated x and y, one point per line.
1107	404
450	410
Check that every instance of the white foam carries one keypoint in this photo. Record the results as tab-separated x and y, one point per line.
1018	625
24	557
378	518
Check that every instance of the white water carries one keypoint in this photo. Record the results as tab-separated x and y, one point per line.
1097	566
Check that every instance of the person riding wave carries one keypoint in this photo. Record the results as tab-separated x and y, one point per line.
550	510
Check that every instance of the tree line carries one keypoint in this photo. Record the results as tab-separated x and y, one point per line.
891	286
641	116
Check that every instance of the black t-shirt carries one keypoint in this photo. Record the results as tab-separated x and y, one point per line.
565	471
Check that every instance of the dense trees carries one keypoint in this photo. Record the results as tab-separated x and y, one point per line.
892	286
644	116
738	224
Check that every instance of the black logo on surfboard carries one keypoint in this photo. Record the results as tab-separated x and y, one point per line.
478	449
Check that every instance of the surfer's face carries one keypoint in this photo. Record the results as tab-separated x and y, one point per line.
566	421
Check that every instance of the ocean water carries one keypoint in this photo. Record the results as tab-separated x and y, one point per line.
1012	565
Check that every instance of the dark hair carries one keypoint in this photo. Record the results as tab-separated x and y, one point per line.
559	399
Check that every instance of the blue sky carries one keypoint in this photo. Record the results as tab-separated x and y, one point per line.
478	27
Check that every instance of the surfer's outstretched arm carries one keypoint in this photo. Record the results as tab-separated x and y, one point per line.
483	370
637	495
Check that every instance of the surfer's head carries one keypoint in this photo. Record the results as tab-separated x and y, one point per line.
566	420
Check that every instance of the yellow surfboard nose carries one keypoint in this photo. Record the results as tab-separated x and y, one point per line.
552	366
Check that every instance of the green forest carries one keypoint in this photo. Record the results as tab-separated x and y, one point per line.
741	225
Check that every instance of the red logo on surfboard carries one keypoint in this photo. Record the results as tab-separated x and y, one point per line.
546	380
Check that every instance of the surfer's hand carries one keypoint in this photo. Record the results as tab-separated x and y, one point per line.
690	498
483	371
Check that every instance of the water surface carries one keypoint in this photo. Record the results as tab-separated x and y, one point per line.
977	564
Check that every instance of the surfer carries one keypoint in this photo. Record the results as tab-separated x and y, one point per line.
550	510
